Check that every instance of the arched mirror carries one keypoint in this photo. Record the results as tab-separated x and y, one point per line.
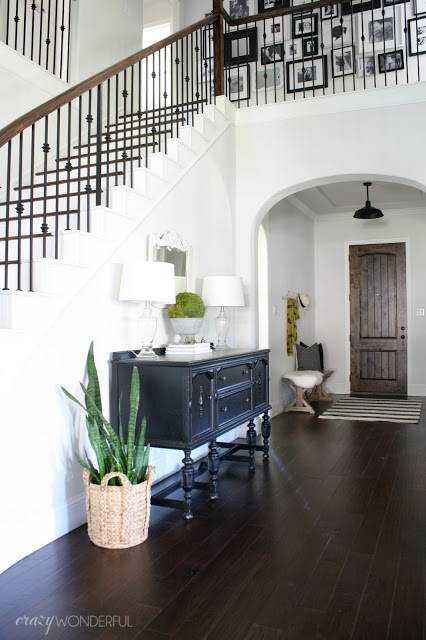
169	247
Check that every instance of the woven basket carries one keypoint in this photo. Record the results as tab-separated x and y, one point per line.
118	517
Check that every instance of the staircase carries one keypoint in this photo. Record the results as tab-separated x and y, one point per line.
86	234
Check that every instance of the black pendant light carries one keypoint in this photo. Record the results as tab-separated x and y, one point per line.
368	212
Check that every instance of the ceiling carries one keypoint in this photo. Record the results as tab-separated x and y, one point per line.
346	197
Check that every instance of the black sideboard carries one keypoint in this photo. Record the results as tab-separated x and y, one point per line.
192	400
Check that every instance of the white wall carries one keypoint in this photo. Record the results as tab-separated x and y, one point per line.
332	238
24	85
290	239
103	34
44	427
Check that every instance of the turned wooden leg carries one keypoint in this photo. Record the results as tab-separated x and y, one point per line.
251	441
213	462
266	432
187	480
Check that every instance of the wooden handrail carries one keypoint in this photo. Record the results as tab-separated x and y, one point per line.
45	109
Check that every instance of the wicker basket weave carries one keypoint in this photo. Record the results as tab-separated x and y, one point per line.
118	517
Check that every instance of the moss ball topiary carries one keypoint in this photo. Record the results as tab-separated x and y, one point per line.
188	305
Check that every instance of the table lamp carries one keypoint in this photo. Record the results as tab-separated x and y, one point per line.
223	291
148	282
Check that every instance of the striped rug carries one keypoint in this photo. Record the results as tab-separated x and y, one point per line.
374	410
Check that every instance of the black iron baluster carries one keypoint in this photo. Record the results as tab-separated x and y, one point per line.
108	140
7	21
41	32
406	41
116	129
98	179
19	212
31	207
146	109
124	93
62	27
132	89
139	113
33	9
48	36
24	32
79	181
58	135
192	78
68	168
161	129
68	41
88	187
46	149
17	19
153	122
7	221
171	88
55	40
284	60
166	111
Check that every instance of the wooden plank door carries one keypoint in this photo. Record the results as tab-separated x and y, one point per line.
378	318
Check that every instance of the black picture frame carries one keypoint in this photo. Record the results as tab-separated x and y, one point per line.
239	9
343	62
272	53
391	61
358	6
310	46
238	80
270	5
417	36
304	24
307	75
240	46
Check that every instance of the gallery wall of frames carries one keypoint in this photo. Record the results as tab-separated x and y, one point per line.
345	47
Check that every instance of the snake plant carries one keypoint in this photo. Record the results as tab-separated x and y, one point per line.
111	450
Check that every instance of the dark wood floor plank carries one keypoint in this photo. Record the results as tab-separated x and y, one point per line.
325	542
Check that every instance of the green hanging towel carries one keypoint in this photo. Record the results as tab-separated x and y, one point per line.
292	316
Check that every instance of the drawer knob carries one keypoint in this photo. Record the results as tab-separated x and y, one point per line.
246	400
222	378
224	409
245	372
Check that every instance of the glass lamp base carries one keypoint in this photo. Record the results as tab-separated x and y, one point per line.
147	352
222	328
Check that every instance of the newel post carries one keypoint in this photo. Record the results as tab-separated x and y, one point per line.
218	48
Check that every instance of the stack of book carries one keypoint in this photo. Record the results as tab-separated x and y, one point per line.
199	348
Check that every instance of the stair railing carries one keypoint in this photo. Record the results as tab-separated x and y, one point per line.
60	159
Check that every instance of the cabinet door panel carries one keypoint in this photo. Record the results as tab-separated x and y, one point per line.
202	402
260	383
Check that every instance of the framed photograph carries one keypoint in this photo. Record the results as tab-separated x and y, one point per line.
305	24
337	34
272	53
293	49
381	31
275	28
310	47
358	6
305	75
419	6
390	3
206	78
343	62
366	66
270	78
391	61
332	11
240	46
267	5
239	9
417	36
238	79
207	44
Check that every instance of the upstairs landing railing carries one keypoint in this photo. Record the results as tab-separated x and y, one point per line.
41	31
61	159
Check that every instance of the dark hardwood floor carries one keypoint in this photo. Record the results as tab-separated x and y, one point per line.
326	541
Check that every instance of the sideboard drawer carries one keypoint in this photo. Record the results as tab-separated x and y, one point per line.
229	376
234	405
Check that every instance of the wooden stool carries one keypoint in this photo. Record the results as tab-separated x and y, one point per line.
301	381
317	392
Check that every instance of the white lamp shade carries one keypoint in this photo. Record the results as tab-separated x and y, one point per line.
148	281
223	291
